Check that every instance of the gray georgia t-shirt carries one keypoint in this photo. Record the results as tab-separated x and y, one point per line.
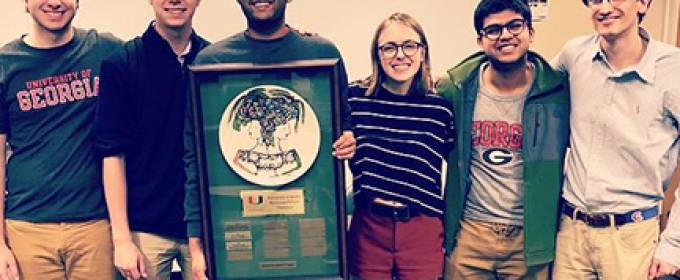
496	165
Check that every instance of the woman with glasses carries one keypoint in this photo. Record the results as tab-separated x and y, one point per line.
404	134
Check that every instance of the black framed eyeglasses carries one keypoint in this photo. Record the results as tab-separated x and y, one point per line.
597	3
390	49
494	31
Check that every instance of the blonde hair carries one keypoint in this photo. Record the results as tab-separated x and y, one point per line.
422	81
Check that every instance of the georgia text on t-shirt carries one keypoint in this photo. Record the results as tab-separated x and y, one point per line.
58	89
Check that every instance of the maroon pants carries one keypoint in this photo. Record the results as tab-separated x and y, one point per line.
380	246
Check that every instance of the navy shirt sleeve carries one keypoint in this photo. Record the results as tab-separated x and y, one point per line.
114	121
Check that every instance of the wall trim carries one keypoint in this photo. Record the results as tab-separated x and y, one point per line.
670	22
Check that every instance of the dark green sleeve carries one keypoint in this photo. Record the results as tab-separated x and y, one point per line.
192	201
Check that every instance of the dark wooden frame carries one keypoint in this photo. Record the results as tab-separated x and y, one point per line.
677	37
196	72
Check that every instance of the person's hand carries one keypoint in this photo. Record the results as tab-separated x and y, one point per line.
129	260
8	263
661	268
345	146
198	266
302	30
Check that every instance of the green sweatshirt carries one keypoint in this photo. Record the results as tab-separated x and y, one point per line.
546	133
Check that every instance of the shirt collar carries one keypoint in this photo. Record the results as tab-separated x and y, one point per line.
156	38
186	50
645	69
184	53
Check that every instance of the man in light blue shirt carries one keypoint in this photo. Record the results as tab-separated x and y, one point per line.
625	144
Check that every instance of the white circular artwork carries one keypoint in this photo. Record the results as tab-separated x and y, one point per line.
269	135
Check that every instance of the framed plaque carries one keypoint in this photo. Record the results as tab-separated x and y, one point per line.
273	196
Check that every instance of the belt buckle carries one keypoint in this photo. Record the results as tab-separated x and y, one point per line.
504	231
597	220
401	214
637	216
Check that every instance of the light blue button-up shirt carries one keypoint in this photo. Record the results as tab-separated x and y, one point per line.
625	139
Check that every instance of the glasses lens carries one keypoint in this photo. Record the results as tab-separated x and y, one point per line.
493	31
410	47
515	27
595	2
389	49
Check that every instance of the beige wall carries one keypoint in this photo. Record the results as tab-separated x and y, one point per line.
570	18
448	24
654	20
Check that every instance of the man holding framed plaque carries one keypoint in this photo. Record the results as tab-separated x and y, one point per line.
266	41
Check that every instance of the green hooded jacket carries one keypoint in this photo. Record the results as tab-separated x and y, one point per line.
546	134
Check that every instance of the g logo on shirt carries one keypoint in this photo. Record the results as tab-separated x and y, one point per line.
496	156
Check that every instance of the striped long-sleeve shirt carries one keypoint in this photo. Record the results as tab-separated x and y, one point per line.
402	144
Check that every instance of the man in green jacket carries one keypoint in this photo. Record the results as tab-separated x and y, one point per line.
512	109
